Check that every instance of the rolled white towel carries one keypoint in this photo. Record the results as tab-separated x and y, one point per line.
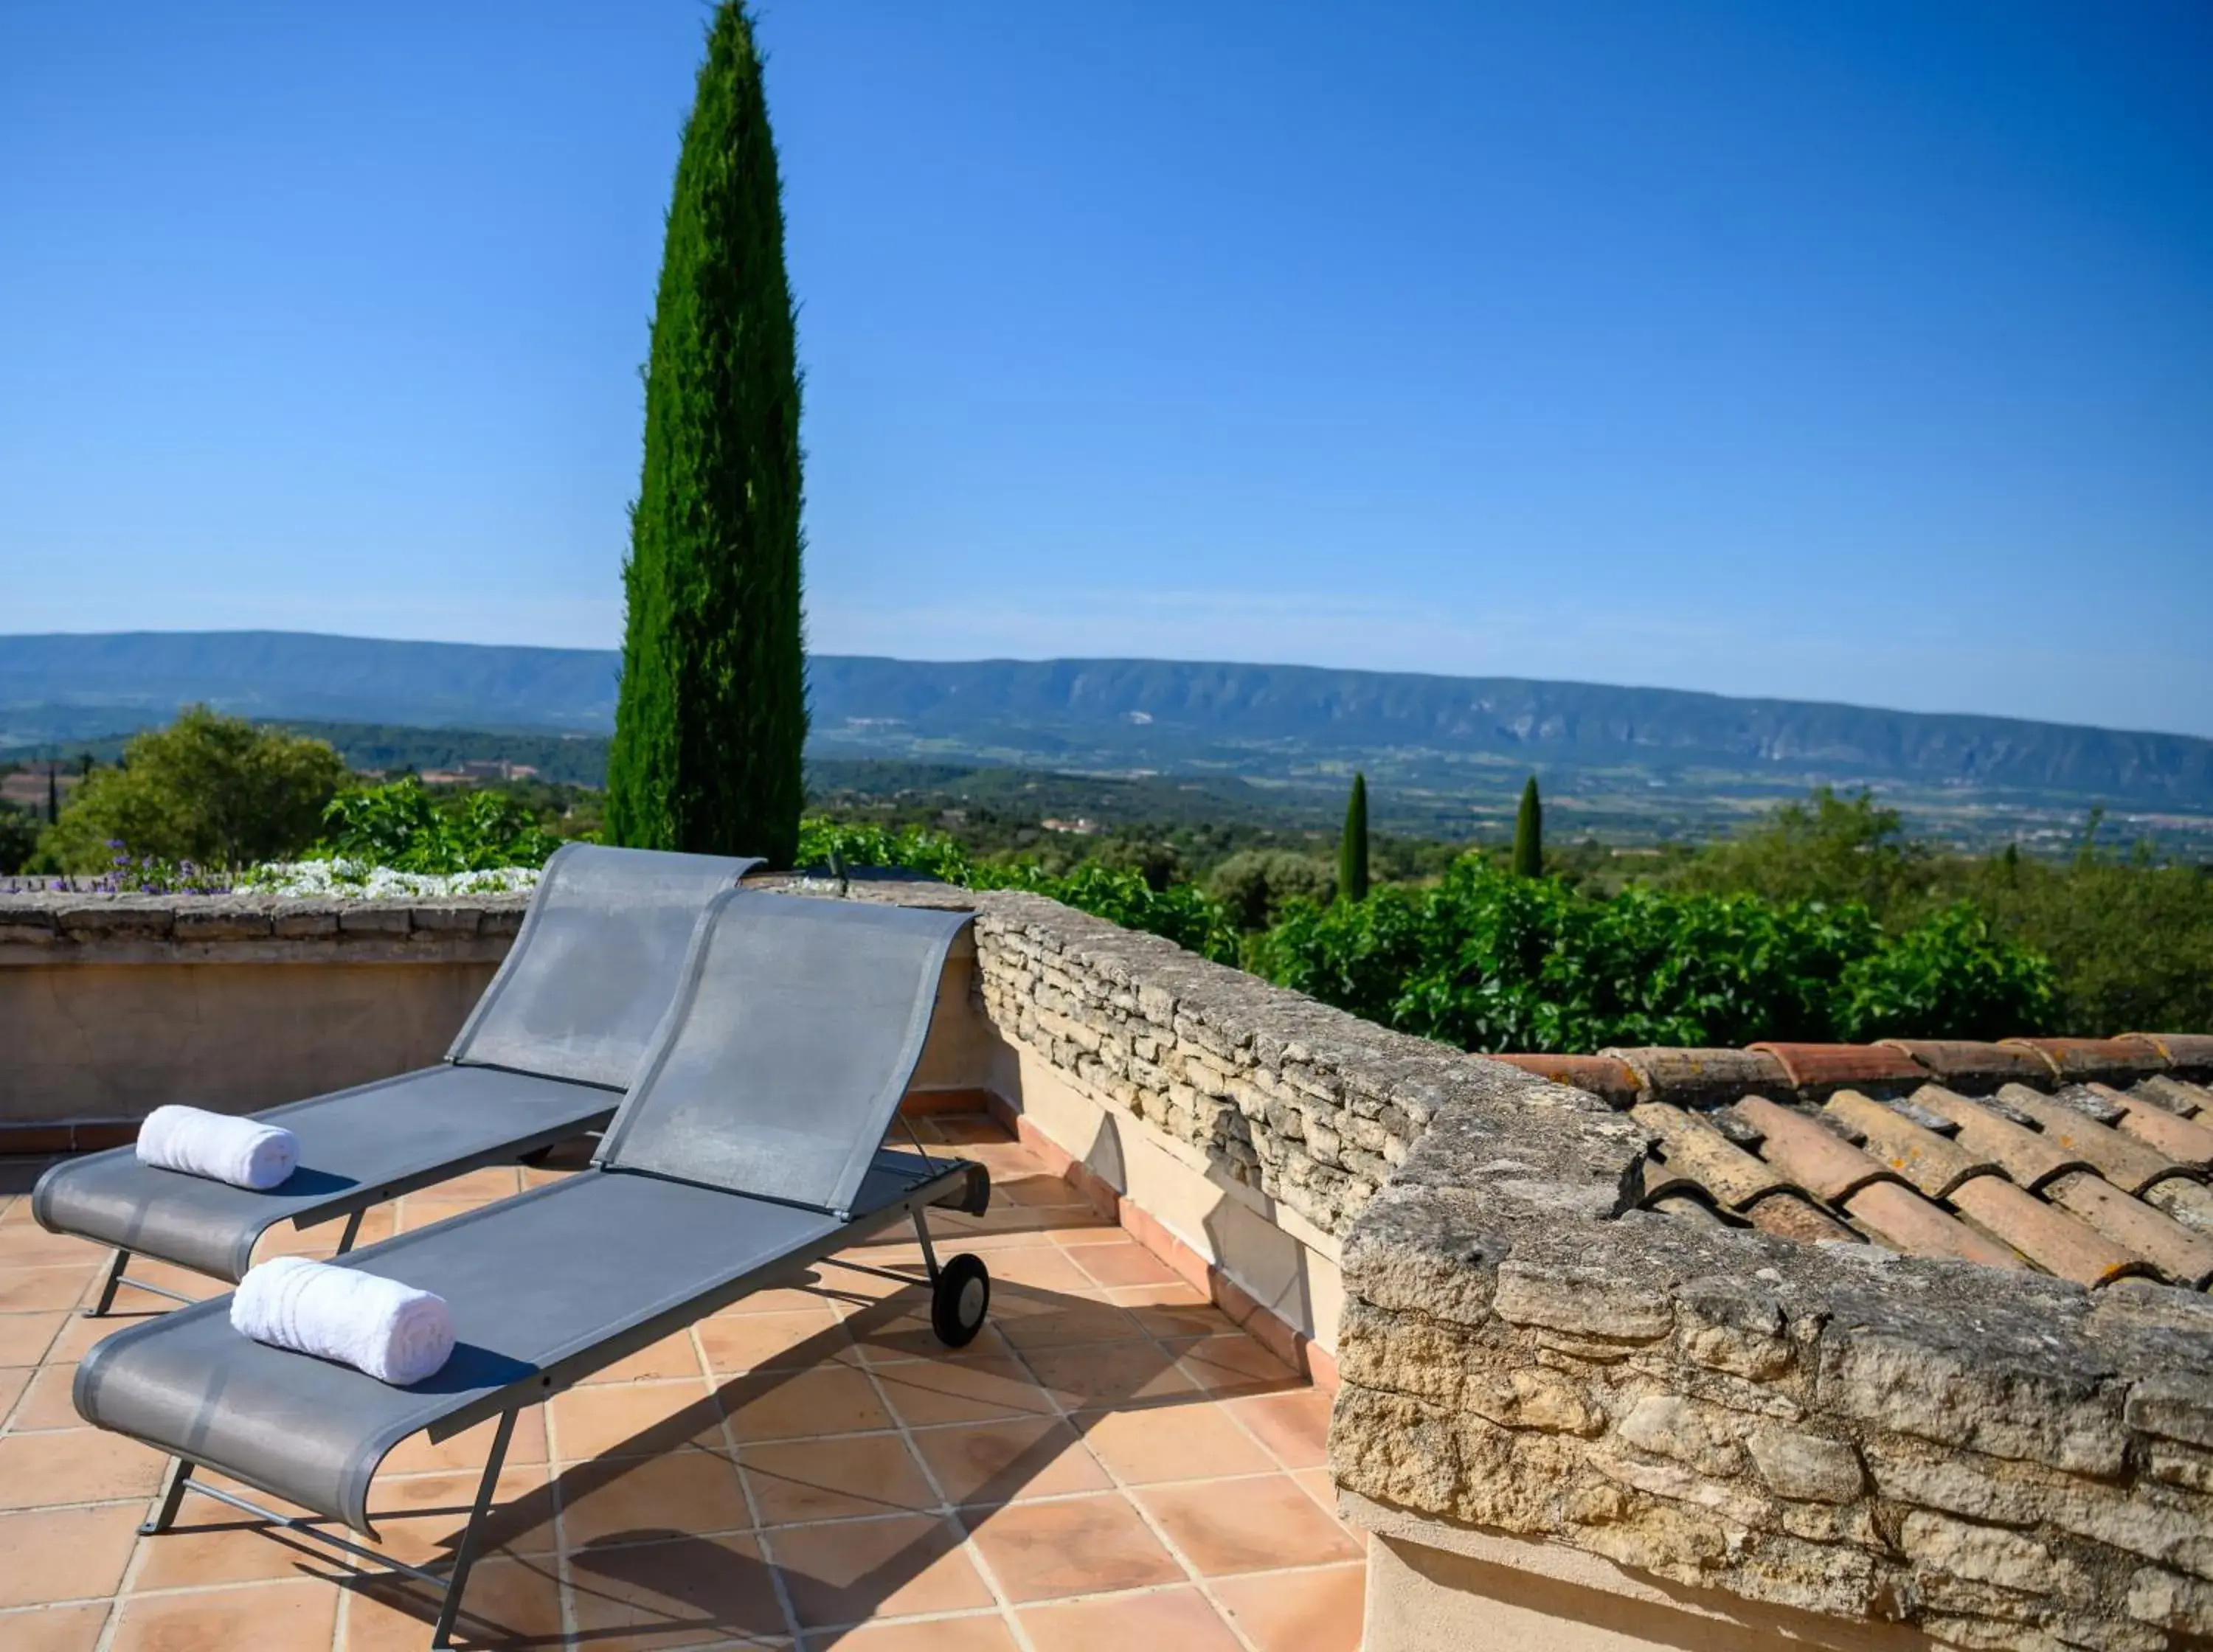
241	1151
395	1332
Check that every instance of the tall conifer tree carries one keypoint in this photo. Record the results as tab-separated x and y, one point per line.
712	715
1352	850
1529	834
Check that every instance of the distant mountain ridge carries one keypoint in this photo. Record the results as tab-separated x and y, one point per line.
1166	715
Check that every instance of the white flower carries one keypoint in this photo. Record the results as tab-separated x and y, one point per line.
358	880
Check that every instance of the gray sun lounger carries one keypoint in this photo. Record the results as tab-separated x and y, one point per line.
545	1055
749	1146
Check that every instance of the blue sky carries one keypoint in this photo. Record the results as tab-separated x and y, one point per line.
1858	352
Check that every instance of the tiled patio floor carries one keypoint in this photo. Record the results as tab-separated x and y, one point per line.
1111	1465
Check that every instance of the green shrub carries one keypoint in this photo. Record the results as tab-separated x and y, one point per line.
402	826
1949	972
1489	960
1180	912
1255	886
209	790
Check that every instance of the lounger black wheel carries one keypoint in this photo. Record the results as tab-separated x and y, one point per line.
959	1299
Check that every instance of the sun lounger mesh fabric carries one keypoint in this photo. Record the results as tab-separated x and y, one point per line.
828	1004
594	964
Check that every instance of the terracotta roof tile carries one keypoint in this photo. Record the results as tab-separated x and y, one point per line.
2182	1099
2051	1239
1822	1163
1600	1074
2073	1060
1691	1075
1962	1063
2179	1139
2189	1202
2081	1159
2181	1255
1793	1216
2128	1164
2187	1051
1699	1153
2030	1158
1817	1069
1904	1220
1932	1163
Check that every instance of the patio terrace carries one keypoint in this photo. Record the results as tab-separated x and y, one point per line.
1112	1464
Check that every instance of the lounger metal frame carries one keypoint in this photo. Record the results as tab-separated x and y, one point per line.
958	1183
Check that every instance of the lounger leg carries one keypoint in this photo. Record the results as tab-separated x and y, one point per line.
929	1251
173	1494
352	1232
108	1285
465	1555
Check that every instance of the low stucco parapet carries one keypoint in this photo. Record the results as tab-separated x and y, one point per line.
46	930
1996	1459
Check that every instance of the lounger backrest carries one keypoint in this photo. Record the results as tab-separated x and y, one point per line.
791	1039
596	963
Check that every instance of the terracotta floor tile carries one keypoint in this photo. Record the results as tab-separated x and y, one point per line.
78	1335
781	1299
1299	1612
420	1517
857	1569
1178	1310
74	1466
834	1478
508	1604
1048	1192
636	1419
64	1554
1320	1485
1047	1269
680	1593
1129	1263
26	1245
1236	1364
672	1356
1181	1618
792	1405
321	1241
1114	1374
1062	1321
992	1463
418	1454
775	1342
980	1633
979	1129
927	1392
211	1544
46	1402
1225	1527
1295	1426
496	1181
883	1338
686	1493
54	1629
29	1290
1084	1546
1193	1441
14	1379
269	1618
25	1338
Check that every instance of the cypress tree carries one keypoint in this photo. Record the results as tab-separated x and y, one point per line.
711	717
1352	849
1529	834
53	791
